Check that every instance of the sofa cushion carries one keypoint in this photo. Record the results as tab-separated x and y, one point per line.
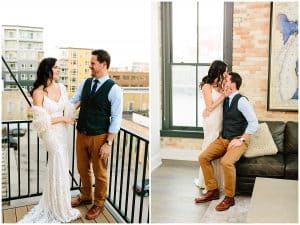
291	168
277	130
291	137
261	143
262	166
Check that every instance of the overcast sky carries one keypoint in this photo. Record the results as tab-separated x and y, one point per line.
120	27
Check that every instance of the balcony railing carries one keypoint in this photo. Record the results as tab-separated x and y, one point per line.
24	164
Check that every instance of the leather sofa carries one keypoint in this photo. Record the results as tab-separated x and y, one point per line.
283	165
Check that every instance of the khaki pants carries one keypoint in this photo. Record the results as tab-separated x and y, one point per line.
87	152
215	150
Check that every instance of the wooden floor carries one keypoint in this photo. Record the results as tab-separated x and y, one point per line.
173	193
13	215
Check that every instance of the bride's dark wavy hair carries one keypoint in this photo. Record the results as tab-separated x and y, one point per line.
44	73
215	71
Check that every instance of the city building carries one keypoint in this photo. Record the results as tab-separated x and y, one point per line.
135	99
130	78
14	105
140	67
74	64
22	48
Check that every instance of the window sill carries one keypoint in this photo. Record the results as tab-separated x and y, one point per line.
182	133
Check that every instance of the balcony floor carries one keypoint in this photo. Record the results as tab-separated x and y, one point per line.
13	215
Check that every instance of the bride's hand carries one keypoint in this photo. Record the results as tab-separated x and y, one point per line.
68	120
205	113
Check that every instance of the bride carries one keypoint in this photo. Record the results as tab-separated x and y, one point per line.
50	103
212	91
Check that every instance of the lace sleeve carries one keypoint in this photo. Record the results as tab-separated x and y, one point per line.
41	120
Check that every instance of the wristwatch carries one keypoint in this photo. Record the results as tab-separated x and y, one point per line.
242	139
109	142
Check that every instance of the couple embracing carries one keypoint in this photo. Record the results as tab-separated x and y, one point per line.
228	122
100	102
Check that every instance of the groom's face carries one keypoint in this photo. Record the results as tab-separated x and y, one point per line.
229	83
96	67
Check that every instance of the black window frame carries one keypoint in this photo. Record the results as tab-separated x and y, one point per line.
168	129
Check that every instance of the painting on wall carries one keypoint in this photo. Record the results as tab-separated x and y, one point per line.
283	65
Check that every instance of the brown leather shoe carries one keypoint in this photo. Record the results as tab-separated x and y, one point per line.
225	204
210	195
78	201
94	212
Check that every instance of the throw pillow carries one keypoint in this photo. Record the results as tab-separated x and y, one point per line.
261	143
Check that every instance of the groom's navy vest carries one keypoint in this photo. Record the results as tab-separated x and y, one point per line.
234	123
95	110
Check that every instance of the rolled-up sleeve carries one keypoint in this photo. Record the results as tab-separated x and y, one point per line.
246	109
115	97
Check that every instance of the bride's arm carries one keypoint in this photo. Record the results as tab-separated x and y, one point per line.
210	105
38	98
62	119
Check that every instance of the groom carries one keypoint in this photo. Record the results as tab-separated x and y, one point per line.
239	123
99	120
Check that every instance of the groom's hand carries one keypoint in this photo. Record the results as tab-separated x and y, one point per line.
235	143
104	151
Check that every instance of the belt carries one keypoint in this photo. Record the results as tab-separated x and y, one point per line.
231	138
85	132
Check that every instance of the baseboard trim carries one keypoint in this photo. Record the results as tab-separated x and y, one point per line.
180	154
155	161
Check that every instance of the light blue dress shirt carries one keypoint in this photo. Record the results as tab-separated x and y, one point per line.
246	109
115	96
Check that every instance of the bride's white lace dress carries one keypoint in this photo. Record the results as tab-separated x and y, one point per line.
55	203
212	126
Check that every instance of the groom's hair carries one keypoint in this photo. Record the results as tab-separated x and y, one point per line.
236	78
102	56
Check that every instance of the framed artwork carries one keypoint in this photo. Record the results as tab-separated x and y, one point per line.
283	57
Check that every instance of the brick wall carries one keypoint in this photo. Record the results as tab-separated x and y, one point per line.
251	25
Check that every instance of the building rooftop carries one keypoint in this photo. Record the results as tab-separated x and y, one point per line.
20	26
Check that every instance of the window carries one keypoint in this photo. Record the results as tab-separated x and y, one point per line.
130	106
74	54
11	34
193	36
31	77
74	72
10	107
86	71
23	67
12	66
73	89
23	76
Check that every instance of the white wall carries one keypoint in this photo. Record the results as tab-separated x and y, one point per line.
155	85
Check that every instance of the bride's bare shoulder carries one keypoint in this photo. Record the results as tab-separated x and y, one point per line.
206	87
38	96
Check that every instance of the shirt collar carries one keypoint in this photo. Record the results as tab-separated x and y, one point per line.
231	96
102	79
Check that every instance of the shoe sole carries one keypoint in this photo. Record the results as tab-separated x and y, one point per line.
208	200
82	203
220	210
94	217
